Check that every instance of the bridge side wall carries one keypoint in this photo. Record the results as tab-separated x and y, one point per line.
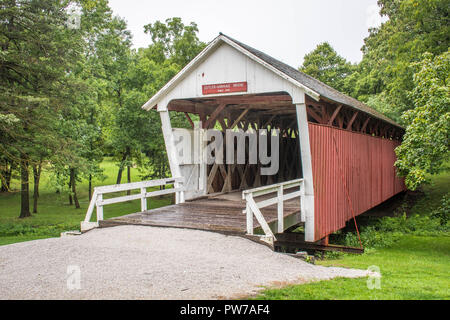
360	163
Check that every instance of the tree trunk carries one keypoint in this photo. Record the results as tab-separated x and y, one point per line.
37	176
119	174
74	188
128	178
35	201
9	176
90	187
70	188
3	174
24	189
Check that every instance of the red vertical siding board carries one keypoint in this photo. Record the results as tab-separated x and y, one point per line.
367	164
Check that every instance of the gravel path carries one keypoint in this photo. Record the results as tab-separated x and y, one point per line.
137	262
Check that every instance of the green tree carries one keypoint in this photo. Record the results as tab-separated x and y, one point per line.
136	133
425	146
97	75
98	87
81	153
324	64
38	49
414	27
173	40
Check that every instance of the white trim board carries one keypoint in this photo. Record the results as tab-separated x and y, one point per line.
202	56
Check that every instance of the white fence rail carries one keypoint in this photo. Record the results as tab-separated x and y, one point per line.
98	202
253	208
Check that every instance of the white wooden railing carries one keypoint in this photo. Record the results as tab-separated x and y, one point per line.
98	201
253	208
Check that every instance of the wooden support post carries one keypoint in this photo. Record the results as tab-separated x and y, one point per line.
177	197
239	118
190	120
182	199
99	207
143	200
390	132
349	125
280	209
212	119
203	167
244	183
365	124
170	144
313	114
375	128
249	213
305	154
259	217
383	131
324	241
202	117
340	120
223	124
302	202
91	206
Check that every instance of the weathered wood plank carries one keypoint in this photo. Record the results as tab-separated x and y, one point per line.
219	214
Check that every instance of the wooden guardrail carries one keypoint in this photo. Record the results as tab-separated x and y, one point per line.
253	208
98	202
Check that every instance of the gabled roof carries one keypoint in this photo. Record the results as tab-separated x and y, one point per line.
313	87
321	88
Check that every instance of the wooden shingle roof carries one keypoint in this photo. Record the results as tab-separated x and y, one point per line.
319	87
313	87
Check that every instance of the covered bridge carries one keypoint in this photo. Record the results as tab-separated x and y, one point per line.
336	153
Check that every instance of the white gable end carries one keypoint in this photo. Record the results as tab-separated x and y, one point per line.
225	64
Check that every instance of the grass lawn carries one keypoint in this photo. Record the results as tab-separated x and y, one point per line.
55	215
415	267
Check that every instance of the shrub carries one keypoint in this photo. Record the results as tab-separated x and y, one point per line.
387	230
372	238
442	212
22	229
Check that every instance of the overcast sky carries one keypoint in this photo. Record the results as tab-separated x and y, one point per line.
284	29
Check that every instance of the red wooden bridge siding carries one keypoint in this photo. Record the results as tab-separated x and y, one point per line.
367	164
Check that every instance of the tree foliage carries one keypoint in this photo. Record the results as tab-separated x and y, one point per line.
425	146
324	64
70	96
173	46
173	40
403	74
413	28
38	51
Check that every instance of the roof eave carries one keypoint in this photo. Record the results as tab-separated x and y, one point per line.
150	104
310	92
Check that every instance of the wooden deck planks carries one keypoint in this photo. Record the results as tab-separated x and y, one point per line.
221	213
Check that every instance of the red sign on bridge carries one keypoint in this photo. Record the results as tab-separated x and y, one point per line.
224	87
